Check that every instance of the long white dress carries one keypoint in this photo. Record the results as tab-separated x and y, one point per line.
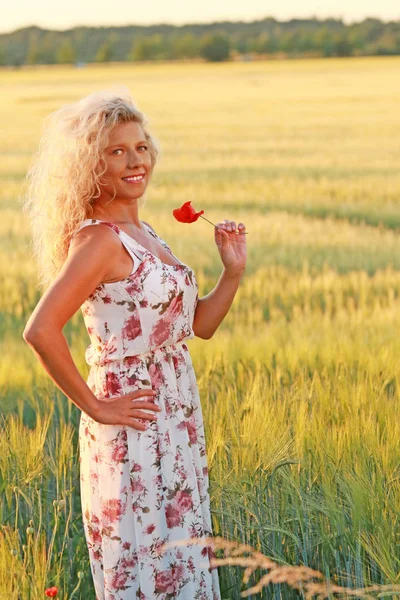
140	489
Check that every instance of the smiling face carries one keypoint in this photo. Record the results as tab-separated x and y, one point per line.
128	162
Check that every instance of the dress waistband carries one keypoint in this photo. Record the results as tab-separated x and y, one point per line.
166	348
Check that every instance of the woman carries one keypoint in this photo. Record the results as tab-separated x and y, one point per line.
144	479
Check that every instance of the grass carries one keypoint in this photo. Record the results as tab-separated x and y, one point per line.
302	420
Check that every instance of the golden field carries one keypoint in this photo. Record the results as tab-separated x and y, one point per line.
300	384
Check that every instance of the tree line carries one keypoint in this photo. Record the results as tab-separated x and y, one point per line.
213	41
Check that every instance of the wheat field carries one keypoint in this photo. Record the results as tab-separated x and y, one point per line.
300	384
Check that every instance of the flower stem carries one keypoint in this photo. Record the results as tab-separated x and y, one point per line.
207	220
245	232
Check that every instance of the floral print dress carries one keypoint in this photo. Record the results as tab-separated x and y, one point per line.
141	489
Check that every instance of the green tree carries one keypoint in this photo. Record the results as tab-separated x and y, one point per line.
287	42
47	48
343	46
324	41
184	46
264	43
215	47
32	55
157	47
105	52
242	45
148	48
138	49
66	53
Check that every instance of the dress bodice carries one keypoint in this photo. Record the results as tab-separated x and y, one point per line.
153	307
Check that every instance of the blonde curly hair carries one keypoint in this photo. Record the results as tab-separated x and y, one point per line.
65	177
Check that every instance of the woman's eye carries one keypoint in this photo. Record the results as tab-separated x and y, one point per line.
121	150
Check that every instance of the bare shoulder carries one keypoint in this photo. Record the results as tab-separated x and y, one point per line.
100	237
91	253
95	243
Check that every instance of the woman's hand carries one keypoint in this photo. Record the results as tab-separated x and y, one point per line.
126	409
231	245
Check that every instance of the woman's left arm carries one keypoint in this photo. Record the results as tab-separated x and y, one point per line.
212	309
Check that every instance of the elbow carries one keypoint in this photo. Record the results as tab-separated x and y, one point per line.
29	336
33	336
207	336
204	335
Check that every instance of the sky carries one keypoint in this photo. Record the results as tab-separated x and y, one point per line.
64	15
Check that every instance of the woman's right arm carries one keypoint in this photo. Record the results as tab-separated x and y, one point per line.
89	260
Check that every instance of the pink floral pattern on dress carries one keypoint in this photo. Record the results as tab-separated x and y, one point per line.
141	489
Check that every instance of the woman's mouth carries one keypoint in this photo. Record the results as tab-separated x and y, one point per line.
134	178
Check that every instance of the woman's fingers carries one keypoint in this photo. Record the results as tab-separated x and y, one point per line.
230	226
138	414
140	393
135	424
144	404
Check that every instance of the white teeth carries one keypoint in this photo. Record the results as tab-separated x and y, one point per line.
137	178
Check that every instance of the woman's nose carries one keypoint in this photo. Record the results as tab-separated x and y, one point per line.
134	158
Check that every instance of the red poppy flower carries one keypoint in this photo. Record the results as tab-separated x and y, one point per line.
51	592
186	213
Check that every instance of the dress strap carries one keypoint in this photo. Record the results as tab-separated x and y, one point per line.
134	253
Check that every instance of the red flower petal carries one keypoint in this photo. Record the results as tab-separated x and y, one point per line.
51	592
186	213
